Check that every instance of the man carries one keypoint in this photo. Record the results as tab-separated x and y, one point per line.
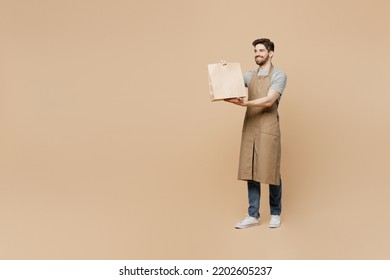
260	143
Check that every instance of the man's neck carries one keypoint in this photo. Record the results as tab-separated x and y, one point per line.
265	67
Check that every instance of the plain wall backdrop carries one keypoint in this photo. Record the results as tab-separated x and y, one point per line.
111	149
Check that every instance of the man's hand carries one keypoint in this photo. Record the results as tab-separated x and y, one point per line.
223	62
238	101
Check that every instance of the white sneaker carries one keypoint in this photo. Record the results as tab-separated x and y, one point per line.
248	222
275	221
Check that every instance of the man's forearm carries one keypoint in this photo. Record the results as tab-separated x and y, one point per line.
260	102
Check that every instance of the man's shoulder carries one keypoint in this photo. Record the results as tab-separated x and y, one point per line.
278	71
278	75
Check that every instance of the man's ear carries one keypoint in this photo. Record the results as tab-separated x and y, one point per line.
271	53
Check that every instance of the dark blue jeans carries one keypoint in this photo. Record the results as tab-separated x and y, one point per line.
254	194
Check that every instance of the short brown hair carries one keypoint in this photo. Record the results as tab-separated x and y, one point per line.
266	42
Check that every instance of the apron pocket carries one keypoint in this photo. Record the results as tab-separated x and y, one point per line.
270	124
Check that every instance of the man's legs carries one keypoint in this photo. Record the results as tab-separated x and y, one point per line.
275	198
252	219
275	203
254	194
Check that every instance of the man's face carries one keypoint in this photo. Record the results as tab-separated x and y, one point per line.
261	54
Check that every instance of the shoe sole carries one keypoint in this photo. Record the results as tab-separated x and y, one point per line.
275	226
248	226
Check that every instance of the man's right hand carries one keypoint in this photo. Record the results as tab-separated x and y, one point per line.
237	101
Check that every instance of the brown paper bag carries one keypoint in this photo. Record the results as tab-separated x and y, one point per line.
226	81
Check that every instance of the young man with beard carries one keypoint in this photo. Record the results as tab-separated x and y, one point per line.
260	143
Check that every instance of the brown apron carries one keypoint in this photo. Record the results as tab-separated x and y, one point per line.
260	142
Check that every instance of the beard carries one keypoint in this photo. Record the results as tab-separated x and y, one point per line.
262	61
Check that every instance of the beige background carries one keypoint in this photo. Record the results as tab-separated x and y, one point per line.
111	149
